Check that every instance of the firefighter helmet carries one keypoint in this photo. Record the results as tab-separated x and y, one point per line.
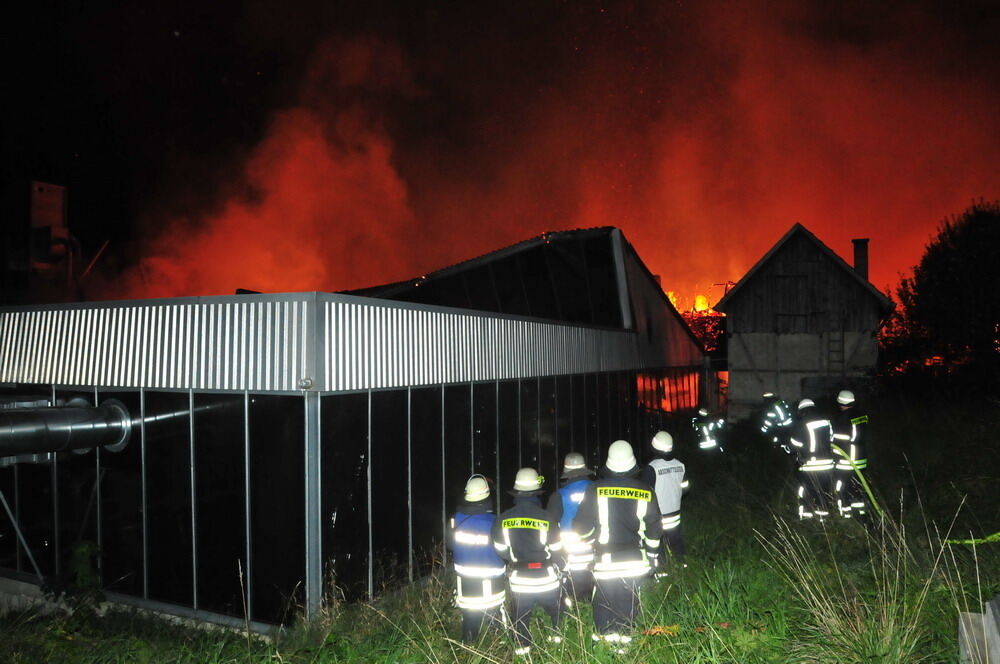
621	459
845	398
703	412
806	403
476	489
767	395
663	442
528	480
574	465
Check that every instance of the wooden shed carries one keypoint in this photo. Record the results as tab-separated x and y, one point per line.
801	321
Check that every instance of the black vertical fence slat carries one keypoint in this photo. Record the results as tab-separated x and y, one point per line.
368	480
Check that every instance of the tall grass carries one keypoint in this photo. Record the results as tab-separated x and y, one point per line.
757	590
865	615
791	593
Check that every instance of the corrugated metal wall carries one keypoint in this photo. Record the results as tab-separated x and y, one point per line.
379	346
249	344
275	342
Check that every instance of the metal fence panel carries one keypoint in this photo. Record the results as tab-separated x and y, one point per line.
267	343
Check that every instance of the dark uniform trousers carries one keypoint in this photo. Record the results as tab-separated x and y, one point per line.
479	593
616	604
672	535
815	492
579	584
532	586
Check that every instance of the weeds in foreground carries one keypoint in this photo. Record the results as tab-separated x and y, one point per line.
877	612
835	594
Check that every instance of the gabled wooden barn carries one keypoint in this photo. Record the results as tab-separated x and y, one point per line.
801	321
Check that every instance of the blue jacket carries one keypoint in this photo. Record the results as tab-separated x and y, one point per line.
471	544
566	501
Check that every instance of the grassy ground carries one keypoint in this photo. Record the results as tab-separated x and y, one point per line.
757	589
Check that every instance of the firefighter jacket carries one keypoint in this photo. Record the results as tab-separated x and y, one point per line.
477	565
848	434
619	515
666	475
527	537
775	416
810	439
708	429
563	506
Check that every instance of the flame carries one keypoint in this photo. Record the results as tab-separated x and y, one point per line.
674	300
701	304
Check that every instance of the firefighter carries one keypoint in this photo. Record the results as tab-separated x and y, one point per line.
848	427
527	537
665	475
619	515
708	429
563	505
479	570
775	420
810	440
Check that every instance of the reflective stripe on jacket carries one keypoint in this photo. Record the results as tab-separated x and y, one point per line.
618	514
563	505
669	484
526	536
472	545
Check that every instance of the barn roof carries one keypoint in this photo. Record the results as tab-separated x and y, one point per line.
406	289
390	290
798	229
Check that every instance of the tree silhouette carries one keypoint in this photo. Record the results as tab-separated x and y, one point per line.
950	309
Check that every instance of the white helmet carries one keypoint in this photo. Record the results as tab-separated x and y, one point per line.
574	465
528	480
767	395
476	489
663	442
703	412
806	403
620	457
845	398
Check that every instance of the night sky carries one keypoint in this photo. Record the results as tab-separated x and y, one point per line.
327	146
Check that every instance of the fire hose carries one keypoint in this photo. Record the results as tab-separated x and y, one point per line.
995	537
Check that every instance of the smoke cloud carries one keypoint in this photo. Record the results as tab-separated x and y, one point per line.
704	131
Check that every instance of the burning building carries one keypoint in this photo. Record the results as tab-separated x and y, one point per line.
800	322
228	456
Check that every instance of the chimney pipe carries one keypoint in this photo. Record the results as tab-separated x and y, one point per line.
861	257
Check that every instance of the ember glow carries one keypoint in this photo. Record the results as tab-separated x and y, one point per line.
703	132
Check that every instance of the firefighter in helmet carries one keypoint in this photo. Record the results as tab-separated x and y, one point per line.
708	429
848	435
665	475
775	420
620	515
479	571
810	440
527	537
563	505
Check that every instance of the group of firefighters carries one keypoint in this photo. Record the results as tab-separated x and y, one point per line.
599	539
829	449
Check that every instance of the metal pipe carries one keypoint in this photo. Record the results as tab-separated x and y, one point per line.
75	426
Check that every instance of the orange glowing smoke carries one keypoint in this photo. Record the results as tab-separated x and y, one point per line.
324	206
705	132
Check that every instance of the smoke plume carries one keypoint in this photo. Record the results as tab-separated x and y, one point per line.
703	130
